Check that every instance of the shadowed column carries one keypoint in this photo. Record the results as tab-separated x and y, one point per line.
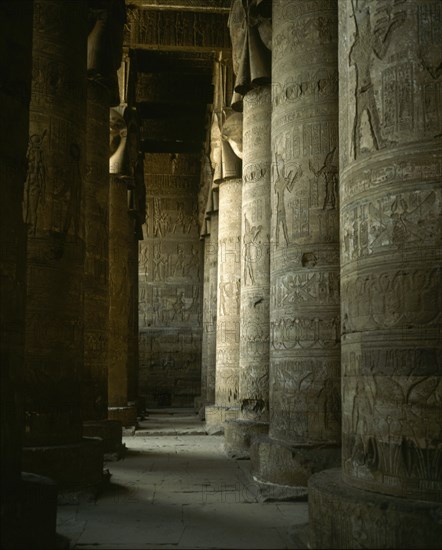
53	195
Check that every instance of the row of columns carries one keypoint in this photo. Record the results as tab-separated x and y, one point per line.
339	206
66	226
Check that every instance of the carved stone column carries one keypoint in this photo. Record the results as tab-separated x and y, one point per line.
212	307
96	274
120	282
121	240
28	502
53	194
304	433
388	494
255	276
228	303
103	59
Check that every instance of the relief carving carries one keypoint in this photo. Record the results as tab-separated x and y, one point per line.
391	222
35	184
329	173
368	41
389	299
285	176
252	249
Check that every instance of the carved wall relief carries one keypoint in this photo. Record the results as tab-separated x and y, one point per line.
170	283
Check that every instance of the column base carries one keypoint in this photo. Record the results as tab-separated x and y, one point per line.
239	434
126	415
110	431
77	468
288	464
217	416
29	514
341	516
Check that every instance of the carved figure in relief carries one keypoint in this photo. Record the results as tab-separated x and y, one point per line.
191	220
179	307
329	171
179	264
35	184
368	41
158	262
251	233
179	220
407	225
70	191
284	180
160	219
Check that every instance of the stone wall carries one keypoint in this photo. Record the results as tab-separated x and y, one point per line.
170	283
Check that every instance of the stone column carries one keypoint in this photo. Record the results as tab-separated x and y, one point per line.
206	313
53	194
121	238
96	200
132	383
304	379
212	313
255	276
104	53
96	273
28	502
388	494
228	307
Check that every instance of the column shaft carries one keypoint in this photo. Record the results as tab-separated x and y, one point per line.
54	191
212	309
121	240
96	273
390	174
255	276
228	303
304	267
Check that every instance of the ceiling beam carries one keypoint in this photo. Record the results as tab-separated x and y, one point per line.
210	6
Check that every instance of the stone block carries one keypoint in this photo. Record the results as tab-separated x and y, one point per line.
341	516
239	434
279	462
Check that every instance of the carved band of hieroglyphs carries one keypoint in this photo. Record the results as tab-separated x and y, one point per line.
313	138
391	223
318	87
306	32
177	28
403	171
253	173
314	390
303	333
393	361
296	288
391	299
388	444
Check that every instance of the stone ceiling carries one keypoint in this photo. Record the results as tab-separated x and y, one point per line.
173	44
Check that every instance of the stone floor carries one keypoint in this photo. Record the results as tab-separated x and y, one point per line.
175	488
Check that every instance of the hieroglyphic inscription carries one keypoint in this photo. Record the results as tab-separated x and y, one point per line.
170	282
391	223
368	42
